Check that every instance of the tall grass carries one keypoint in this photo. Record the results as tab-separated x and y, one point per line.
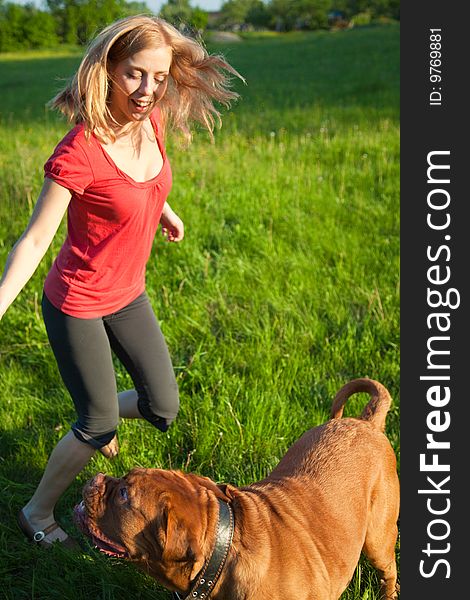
285	287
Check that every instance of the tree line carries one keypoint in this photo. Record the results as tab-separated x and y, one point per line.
75	21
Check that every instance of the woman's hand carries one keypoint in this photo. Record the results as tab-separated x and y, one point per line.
172	225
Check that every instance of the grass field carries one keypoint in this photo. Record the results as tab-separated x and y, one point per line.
285	287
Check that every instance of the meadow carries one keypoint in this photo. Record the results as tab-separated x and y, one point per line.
285	287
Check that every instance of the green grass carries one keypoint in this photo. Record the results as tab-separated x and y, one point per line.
285	287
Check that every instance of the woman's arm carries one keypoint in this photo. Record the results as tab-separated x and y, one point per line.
172	225
28	251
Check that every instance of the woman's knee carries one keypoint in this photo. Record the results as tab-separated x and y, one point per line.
96	440
153	411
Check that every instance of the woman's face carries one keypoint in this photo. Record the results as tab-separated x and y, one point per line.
137	83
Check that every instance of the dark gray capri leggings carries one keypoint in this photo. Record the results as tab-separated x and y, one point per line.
82	348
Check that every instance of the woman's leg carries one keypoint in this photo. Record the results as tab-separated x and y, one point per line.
128	405
137	340
68	458
84	359
83	354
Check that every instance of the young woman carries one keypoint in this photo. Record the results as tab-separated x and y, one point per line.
112	176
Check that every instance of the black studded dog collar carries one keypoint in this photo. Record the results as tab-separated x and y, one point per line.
207	578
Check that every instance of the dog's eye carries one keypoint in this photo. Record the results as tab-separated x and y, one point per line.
123	495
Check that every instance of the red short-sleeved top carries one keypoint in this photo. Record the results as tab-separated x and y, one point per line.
111	224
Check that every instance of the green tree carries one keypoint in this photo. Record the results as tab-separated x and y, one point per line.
11	20
239	12
376	8
180	14
199	18
300	14
313	14
79	20
233	13
40	28
259	14
137	8
176	12
24	27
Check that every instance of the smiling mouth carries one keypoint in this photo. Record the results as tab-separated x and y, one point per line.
141	104
99	539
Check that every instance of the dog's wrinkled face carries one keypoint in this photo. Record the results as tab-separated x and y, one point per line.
159	519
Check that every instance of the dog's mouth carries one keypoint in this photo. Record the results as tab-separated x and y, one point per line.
98	538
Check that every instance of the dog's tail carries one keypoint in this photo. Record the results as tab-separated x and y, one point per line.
376	410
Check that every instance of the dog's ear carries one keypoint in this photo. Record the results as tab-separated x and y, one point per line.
176	537
227	490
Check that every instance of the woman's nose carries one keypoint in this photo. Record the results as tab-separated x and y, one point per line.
147	86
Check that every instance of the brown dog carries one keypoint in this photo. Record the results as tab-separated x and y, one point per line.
297	533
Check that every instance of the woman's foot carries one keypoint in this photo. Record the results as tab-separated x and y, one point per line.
44	532
111	450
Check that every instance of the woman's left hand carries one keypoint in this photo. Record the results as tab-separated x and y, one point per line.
172	225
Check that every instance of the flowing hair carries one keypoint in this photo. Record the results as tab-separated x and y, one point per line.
195	82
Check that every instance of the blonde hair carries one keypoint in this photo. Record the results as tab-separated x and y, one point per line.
196	79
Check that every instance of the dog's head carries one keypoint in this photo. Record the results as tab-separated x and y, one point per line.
165	521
